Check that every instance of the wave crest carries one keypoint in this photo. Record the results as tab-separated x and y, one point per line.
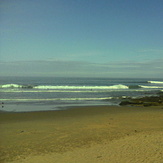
151	87
156	82
119	86
12	86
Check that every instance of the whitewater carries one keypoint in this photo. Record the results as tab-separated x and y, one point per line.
74	91
119	86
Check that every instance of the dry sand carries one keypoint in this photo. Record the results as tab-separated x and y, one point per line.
83	135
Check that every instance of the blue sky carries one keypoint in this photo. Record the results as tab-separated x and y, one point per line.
97	38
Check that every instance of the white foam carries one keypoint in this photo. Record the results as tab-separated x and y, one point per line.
10	86
156	82
60	99
151	87
119	86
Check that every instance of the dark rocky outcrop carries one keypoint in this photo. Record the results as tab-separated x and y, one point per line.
145	101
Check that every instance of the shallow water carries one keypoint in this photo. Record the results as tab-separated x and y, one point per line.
63	92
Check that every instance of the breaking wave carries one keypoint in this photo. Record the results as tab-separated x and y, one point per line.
119	86
156	82
151	87
12	86
16	86
64	88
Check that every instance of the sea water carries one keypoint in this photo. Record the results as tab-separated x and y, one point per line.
63	92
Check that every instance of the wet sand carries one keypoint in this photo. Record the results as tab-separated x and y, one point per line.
83	135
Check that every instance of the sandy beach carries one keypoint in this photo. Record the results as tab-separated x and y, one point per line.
98	134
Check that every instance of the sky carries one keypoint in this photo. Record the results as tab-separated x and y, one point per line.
81	38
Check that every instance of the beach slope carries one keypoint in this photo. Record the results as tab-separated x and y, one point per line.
83	135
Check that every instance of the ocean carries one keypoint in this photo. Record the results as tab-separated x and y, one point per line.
65	92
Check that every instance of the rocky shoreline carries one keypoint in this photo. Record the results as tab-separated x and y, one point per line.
144	101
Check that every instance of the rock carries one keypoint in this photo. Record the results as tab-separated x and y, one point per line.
125	103
144	101
131	103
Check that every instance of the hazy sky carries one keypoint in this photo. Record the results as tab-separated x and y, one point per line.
96	38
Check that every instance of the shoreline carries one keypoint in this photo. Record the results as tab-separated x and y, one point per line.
144	101
23	107
92	132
